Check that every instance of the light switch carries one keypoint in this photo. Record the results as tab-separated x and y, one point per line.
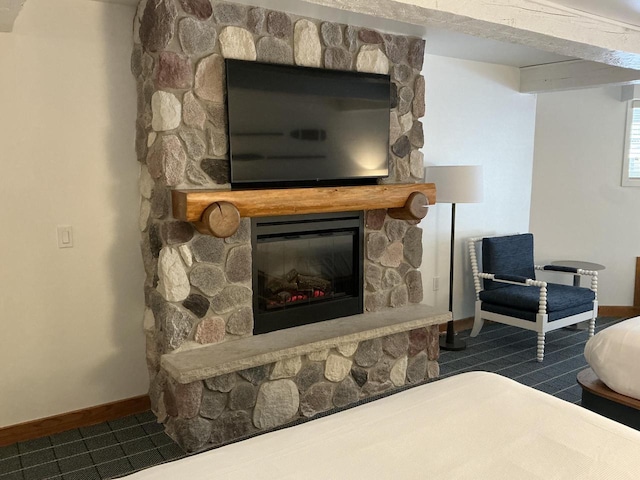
65	236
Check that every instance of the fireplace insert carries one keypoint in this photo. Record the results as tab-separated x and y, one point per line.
306	269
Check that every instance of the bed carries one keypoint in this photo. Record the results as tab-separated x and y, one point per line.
611	386
474	425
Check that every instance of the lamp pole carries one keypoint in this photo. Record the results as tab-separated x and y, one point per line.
450	341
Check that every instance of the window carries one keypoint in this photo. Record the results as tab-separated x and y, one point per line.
631	163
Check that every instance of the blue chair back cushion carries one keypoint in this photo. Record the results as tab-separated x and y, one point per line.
522	302
509	255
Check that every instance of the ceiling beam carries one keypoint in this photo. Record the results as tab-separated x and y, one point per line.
535	23
9	10
573	74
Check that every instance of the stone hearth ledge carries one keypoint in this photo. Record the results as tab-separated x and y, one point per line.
214	360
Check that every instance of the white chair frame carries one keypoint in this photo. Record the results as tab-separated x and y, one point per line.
542	324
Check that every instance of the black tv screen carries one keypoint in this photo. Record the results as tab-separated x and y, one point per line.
306	126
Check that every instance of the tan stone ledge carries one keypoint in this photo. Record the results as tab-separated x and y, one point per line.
213	360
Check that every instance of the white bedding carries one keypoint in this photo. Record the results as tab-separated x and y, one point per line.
472	426
614	356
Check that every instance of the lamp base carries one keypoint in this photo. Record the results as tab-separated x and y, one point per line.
455	344
450	341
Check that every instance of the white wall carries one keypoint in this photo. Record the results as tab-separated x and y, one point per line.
475	116
71	334
578	208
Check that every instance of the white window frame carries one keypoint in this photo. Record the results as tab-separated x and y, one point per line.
628	181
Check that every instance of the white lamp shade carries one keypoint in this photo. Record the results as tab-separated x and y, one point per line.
456	183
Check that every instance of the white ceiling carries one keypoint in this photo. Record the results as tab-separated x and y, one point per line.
447	43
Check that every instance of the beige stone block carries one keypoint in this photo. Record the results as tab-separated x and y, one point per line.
286	368
319	356
337	368
399	371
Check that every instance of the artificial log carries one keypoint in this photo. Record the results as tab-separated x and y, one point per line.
415	208
307	282
222	219
277	285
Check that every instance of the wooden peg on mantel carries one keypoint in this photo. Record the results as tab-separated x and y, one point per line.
220	219
415	208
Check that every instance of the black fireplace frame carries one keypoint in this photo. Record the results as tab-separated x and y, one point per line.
265	322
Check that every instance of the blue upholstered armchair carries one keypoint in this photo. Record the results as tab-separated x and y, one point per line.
507	290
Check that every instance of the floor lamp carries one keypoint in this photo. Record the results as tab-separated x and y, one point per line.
455	184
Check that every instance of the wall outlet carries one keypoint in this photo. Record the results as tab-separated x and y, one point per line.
436	284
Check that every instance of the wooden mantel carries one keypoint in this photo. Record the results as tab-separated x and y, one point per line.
190	205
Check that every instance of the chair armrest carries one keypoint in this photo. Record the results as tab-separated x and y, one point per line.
513	280
571	270
560	268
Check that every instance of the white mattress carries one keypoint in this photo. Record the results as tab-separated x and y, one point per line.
472	426
614	355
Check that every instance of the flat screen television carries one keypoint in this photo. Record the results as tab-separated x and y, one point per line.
300	126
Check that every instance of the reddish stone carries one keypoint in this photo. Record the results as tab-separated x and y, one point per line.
375	218
200	9
433	342
210	330
157	25
188	397
370	36
174	71
417	341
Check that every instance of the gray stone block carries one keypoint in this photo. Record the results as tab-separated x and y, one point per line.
310	374
222	383
208	249
231	298
240	322
396	345
193	433
231	425
196	37
317	399
413	246
256	375
238	268
218	169
274	50
243	396
331	34
346	392
208	278
417	368
279	25
414	286
197	304
230	13
213	404
369	352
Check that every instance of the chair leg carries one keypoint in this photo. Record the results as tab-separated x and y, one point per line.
478	321
592	326
540	349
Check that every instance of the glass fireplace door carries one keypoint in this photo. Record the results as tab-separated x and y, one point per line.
306	269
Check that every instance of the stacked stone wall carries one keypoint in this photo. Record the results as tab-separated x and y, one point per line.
198	287
235	405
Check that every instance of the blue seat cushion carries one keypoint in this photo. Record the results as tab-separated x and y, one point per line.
508	255
560	298
531	316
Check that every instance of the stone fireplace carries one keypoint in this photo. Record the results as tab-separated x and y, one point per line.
212	379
